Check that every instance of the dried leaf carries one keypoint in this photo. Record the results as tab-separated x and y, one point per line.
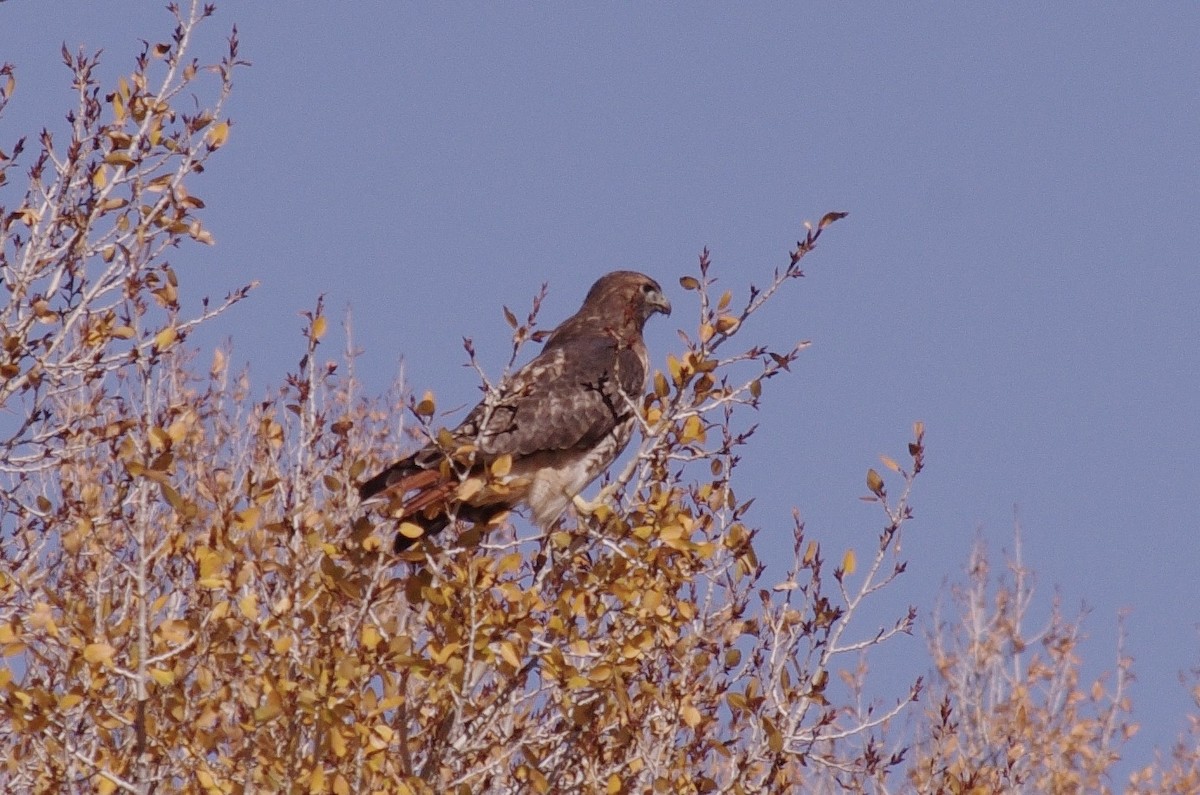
217	135
162	676
165	338
427	406
468	488
727	324
829	218
411	530
99	653
874	483
508	653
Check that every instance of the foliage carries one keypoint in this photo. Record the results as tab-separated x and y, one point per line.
1009	712
190	598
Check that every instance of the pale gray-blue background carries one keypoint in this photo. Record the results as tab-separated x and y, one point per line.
1018	269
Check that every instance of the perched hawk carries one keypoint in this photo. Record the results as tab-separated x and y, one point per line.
562	419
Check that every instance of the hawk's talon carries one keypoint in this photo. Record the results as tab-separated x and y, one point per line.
589	508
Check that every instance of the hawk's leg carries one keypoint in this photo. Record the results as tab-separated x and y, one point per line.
588	508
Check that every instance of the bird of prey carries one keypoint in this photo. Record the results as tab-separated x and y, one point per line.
547	431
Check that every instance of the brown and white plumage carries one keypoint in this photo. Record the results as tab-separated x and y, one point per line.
563	419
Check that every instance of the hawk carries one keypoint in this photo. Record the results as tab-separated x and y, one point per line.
561	420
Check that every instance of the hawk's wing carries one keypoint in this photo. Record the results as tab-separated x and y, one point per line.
571	396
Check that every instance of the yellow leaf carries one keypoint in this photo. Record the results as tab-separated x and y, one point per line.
810	552
660	384
889	463
675	369
774	737
508	653
271	708
502	466
690	715
442	655
174	631
100	178
689	283
248	606
210	561
337	743
614	784
693	430
118	159
244	520
159	440
217	135
468	488
849	562
411	530
318	327
671	533
163	677
99	653
727	324
370	637
164	338
105	786
706	332
874	483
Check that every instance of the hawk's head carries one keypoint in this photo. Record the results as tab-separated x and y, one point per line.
636	292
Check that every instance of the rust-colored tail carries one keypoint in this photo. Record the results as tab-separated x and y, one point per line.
425	493
427	499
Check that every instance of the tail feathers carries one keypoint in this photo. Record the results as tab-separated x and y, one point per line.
424	494
401	477
426	499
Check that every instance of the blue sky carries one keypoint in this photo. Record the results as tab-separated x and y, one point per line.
1018	269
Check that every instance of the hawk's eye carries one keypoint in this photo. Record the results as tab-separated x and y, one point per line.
648	289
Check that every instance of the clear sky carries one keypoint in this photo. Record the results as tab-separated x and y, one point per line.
1018	270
